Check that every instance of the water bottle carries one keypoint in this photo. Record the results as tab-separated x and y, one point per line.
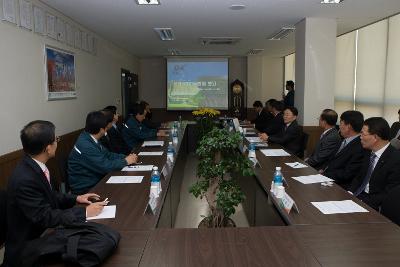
170	152
252	150
278	181
175	134
155	182
180	120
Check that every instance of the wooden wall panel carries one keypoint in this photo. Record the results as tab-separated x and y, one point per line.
10	160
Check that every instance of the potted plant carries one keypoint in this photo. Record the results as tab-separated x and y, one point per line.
219	156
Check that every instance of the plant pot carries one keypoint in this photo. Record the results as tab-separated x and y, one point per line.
207	223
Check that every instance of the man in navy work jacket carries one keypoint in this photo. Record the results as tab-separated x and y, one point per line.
135	131
32	204
89	161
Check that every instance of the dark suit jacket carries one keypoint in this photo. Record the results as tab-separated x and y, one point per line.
32	207
325	148
262	119
344	166
384	178
288	100
275	125
291	139
394	129
116	142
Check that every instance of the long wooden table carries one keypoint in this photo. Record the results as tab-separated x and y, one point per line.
275	238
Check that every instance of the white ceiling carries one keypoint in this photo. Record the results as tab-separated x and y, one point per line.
131	26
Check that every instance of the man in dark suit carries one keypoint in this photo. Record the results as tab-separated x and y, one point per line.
346	162
116	141
291	136
288	100
380	172
89	161
328	142
32	205
276	124
263	117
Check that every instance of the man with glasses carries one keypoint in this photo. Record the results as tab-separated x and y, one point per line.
32	203
380	171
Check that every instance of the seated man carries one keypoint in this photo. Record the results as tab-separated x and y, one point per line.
135	132
291	136
32	204
345	164
263	117
276	124
148	120
89	161
329	141
116	141
105	139
380	172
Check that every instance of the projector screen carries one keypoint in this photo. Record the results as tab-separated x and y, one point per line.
196	82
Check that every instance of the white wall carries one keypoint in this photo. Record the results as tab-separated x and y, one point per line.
265	78
22	83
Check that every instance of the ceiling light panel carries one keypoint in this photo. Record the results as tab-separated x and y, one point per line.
148	2
165	34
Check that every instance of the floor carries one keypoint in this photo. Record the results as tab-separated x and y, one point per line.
191	209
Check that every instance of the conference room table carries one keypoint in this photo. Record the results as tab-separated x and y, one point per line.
274	238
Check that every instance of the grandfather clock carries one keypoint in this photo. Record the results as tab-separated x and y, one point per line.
237	104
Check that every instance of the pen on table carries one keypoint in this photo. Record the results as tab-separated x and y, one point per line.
296	164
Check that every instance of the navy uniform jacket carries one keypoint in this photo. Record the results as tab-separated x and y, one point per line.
88	163
288	100
135	132
32	207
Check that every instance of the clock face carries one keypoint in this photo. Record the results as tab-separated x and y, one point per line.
237	89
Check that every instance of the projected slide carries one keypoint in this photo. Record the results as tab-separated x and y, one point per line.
197	83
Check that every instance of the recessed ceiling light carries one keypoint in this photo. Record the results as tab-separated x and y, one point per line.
237	7
165	34
148	2
331	1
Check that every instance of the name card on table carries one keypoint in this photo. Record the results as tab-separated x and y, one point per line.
151	206
287	203
165	171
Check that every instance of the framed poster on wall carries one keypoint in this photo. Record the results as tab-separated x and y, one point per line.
60	74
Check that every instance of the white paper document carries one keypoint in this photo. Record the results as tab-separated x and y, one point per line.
138	168
275	152
312	179
125	180
254	139
334	207
153	143
107	213
296	165
148	153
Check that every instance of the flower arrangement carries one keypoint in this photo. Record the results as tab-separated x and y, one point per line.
205	119
209	112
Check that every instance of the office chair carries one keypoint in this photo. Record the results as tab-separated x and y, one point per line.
304	144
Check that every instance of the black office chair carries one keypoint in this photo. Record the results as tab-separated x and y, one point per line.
62	162
3	217
391	206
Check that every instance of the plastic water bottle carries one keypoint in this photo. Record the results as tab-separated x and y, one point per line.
252	150
278	181
155	182
170	152
175	134
180	120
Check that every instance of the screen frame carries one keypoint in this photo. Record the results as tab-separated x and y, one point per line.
227	58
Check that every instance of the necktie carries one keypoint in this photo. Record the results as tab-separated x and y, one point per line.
47	174
367	176
341	146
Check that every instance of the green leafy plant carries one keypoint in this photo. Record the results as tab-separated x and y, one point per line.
219	156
